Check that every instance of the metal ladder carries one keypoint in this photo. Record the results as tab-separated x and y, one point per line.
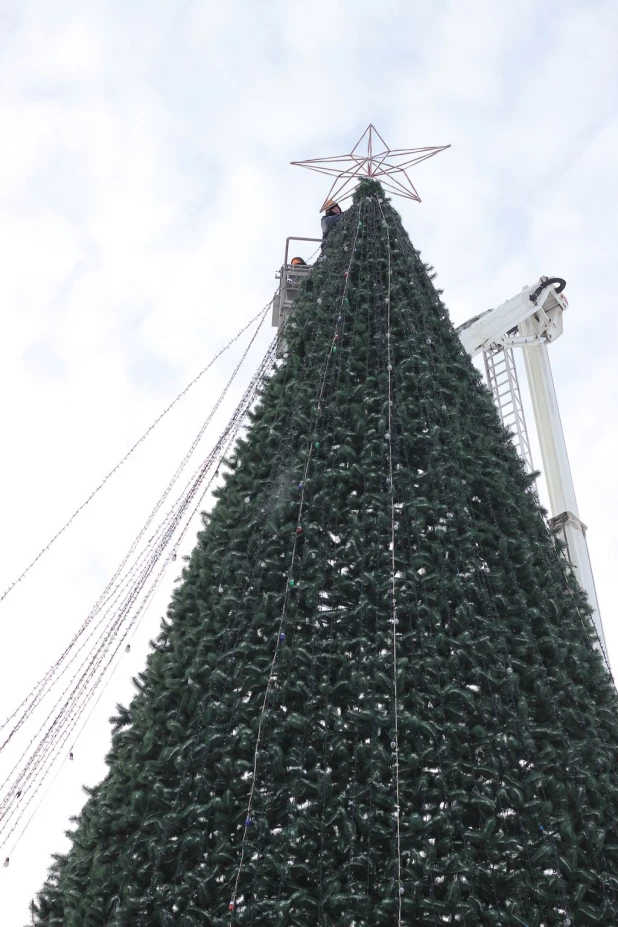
504	384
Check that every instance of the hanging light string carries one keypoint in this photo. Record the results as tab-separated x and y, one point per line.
414	540
40	688
56	671
278	464
461	504
230	432
190	756
290	580
394	619
372	513
144	604
132	628
329	516
326	510
259	315
465	505
369	514
60	730
130	632
83	682
410	533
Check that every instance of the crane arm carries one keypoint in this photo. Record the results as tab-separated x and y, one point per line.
531	320
542	302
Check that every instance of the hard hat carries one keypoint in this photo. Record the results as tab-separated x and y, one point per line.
328	205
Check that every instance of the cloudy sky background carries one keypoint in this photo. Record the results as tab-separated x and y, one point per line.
145	197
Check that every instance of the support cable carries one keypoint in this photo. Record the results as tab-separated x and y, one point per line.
46	682
132	627
148	431
247	584
252	574
289	584
82	691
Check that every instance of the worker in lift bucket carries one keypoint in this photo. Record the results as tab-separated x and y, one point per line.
332	215
295	279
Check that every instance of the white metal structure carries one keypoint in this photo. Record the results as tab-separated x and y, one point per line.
291	277
532	320
501	372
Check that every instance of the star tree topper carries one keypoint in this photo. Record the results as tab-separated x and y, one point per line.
381	164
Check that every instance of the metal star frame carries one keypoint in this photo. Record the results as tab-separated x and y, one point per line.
350	169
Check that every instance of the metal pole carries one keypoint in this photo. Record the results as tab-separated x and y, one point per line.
563	504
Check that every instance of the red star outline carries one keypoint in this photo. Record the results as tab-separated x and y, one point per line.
350	169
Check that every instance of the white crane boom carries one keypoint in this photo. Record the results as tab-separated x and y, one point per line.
496	326
532	320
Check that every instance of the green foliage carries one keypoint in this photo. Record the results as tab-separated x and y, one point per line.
506	717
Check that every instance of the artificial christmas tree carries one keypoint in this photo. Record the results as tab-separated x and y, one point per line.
376	699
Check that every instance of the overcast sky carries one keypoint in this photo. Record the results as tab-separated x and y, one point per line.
145	198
